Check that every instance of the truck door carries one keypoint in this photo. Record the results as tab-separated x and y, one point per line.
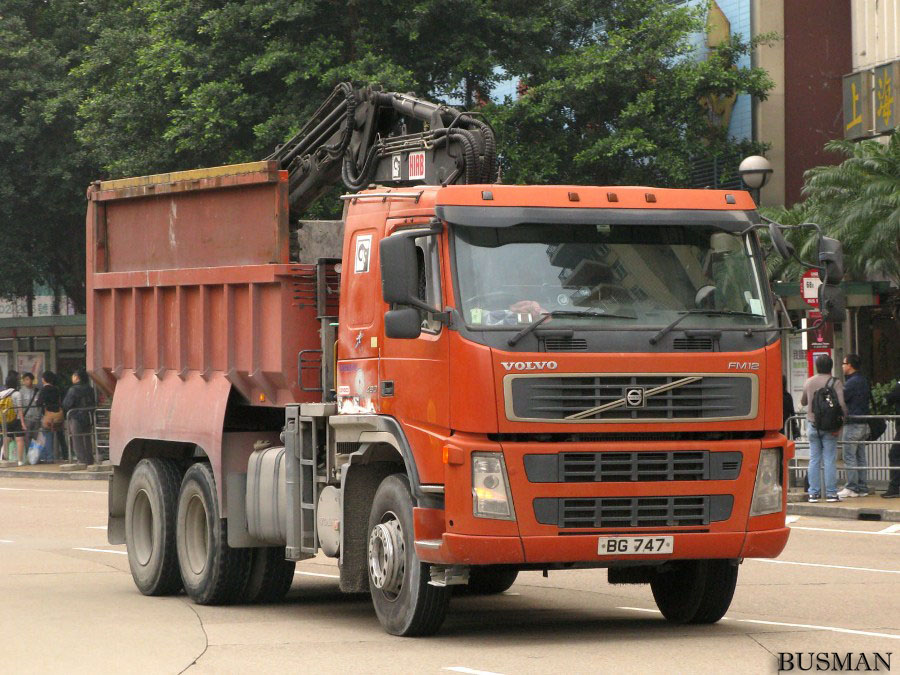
415	372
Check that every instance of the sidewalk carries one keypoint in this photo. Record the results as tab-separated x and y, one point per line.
57	471
873	507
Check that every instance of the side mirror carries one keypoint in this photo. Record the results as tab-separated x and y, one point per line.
785	249
831	257
832	302
399	271
404	324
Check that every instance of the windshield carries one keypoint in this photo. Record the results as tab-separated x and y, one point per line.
608	276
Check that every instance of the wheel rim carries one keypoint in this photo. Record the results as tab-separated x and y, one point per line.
387	556
196	534
142	528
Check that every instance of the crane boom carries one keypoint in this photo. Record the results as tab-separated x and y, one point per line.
363	135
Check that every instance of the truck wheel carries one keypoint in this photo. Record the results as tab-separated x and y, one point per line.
212	571
491	579
270	575
150	508
679	590
721	579
404	601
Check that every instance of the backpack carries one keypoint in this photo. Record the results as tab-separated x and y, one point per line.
827	412
8	410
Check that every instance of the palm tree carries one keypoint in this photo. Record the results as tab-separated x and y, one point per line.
858	203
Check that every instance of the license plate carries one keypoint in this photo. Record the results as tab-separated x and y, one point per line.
635	545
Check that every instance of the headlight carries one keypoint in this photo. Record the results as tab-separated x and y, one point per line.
490	487
767	492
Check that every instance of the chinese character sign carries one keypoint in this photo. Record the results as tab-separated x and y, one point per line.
857	104
887	96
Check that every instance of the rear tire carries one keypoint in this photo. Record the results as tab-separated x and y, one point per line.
491	580
212	571
150	508
270	576
405	603
695	591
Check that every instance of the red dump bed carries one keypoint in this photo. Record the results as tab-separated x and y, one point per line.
191	290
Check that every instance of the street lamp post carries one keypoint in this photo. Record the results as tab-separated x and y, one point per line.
755	172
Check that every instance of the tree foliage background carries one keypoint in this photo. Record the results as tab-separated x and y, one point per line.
609	93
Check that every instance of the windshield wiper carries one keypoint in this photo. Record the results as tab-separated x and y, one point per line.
707	312
560	312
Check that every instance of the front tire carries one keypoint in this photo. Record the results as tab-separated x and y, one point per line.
212	571
695	591
270	576
150	508
405	603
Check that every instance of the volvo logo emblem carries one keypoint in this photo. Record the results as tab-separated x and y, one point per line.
634	398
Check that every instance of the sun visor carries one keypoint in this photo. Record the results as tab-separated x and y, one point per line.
507	216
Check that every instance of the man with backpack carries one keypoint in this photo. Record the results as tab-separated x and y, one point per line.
826	411
857	393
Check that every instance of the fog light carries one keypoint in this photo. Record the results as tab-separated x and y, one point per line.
768	489
490	487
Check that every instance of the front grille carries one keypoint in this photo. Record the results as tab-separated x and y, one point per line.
572	398
633	512
641	466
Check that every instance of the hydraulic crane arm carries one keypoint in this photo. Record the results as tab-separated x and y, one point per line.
365	136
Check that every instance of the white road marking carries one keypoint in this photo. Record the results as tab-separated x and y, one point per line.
791	519
833	629
890	529
470	671
100	550
6	541
828	529
318	574
96	527
93	492
834	567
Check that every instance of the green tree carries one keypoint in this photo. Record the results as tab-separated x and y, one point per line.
613	98
43	170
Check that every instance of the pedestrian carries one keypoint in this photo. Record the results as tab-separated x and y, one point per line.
29	409
893	488
52	415
857	394
78	403
12	429
787	410
819	394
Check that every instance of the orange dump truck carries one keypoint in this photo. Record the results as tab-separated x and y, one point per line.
456	382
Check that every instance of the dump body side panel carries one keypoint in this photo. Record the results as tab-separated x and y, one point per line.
190	295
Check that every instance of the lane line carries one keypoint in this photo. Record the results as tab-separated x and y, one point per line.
890	529
470	671
92	492
834	567
100	550
96	527
791	519
833	629
6	541
828	529
318	574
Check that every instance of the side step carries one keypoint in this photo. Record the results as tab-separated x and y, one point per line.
302	438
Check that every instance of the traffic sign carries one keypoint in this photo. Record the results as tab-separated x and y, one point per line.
809	288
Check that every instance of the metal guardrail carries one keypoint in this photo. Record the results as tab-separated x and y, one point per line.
878	467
